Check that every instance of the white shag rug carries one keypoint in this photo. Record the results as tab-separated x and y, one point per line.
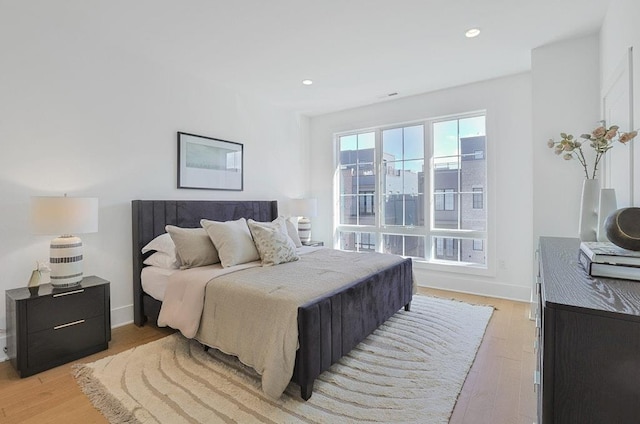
411	370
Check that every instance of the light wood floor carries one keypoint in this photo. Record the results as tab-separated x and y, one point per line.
498	389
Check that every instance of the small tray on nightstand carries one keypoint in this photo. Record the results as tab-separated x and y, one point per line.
313	243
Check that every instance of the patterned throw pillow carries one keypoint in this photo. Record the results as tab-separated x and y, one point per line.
272	241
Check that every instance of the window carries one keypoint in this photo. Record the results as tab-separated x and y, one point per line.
389	201
478	200
449	200
444	199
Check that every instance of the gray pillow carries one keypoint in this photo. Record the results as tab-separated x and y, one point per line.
233	241
193	246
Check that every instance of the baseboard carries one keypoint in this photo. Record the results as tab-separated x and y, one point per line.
477	286
3	343
121	316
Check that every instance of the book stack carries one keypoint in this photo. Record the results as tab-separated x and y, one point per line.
605	259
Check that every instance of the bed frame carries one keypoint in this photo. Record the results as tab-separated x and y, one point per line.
328	327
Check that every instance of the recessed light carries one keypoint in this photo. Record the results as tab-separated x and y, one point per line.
473	32
307	82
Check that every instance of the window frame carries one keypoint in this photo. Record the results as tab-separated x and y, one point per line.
427	231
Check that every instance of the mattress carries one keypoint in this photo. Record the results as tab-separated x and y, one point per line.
154	280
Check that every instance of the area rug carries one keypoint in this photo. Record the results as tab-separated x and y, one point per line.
411	369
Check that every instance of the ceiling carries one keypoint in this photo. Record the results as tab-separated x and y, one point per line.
357	52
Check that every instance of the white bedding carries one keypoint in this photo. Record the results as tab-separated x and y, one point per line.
253	314
154	280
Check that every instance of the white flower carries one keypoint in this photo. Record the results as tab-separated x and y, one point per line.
601	140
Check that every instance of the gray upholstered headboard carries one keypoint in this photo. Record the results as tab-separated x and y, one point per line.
149	218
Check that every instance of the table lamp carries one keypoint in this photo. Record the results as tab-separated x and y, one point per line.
65	216
304	209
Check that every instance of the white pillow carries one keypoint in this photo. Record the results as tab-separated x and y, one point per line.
193	247
292	231
162	260
163	243
233	241
273	243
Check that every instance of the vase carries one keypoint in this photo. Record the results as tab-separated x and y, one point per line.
606	206
588	220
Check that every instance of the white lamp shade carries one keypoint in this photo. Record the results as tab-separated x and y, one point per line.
303	207
64	215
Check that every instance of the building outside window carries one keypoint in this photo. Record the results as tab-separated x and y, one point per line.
478	199
432	213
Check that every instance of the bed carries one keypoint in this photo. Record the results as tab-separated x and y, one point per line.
329	326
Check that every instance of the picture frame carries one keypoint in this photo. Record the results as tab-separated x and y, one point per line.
209	163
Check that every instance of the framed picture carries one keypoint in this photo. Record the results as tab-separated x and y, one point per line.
209	163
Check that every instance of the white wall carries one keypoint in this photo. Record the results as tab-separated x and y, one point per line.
508	105
80	117
620	30
566	98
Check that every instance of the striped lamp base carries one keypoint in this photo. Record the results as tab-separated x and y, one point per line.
66	261
304	230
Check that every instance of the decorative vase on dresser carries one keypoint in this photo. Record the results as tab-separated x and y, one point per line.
606	206
588	220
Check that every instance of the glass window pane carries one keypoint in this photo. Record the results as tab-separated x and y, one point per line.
470	127
367	141
445	139
348	210
356	241
414	246
394	209
456	172
445	179
403	245
347	240
348	179
414	210
392	144
459	250
367	242
413	174
478	198
393	244
414	142
472	218
392	179
349	142
366	208
438	200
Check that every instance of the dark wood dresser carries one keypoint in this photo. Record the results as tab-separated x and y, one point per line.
588	341
52	326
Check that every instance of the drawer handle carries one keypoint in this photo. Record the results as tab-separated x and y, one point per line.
69	324
68	293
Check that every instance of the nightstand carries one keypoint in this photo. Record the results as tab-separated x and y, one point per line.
55	326
314	243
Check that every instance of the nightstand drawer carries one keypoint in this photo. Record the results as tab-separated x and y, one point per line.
61	308
68	342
